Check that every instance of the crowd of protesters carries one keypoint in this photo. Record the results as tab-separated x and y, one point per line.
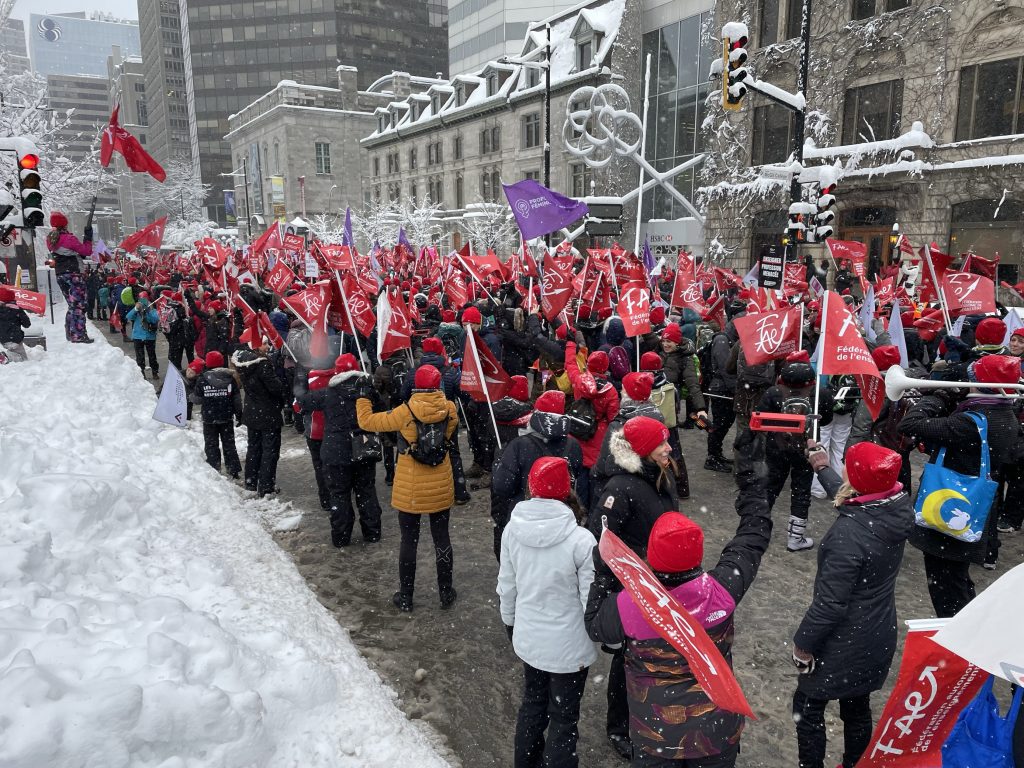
585	439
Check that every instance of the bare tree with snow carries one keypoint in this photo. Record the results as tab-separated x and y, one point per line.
180	195
490	226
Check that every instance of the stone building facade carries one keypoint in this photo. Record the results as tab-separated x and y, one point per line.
458	141
296	149
877	68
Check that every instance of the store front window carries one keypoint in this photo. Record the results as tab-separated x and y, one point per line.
987	228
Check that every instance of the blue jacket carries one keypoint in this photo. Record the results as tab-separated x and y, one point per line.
135	318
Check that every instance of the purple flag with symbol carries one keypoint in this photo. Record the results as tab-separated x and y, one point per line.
403	240
539	210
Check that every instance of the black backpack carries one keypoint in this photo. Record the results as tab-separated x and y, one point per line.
431	446
582	419
399	373
707	364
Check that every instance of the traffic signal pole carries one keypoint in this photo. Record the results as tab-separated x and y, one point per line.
800	124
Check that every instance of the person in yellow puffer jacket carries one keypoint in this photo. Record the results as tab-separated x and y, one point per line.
419	489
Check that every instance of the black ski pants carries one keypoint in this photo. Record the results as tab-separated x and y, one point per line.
551	702
342	481
409	526
261	460
809	715
215	436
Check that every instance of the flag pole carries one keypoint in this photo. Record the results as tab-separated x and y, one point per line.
583	286
817	373
473	275
483	384
927	252
351	325
643	151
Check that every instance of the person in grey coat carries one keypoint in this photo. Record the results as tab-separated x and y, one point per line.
845	643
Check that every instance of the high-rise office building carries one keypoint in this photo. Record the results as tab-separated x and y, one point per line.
164	71
73	44
483	30
236	52
13	48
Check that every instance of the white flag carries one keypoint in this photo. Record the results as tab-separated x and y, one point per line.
1013	321
753	277
867	313
987	631
896	336
958	326
172	407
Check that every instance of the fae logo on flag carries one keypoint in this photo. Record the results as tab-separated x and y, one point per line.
968	294
769	335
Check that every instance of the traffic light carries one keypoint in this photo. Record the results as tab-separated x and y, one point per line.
734	59
824	215
796	229
31	191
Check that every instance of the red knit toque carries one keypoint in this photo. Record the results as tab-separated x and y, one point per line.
598	363
58	220
672	333
885	357
197	365
650	361
562	332
520	389
549	478
997	369
676	544
447	316
552	401
637	386
644	434
657	315
990	331
800	356
472	315
214	359
872	468
427	377
433	345
346	363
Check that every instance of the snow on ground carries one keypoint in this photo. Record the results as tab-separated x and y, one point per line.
146	616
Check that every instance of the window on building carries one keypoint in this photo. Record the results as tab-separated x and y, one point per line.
394	192
584	54
457	147
532	175
496	138
460	197
382	123
413	191
143	111
492	83
581	176
277	159
896	5
376	166
872	112
496	191
485	186
532	77
772	134
991	226
460	95
435	103
531	130
768	31
990	100
862	9
794	17
323	157
412	159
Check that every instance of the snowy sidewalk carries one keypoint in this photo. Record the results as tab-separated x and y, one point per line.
146	618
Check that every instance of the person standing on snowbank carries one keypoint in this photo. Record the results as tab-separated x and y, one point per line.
543	583
67	252
144	320
420	488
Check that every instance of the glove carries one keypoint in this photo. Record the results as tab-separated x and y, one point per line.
803	661
508	631
238	421
87	234
365	387
817	456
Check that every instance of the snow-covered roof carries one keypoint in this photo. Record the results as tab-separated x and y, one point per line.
604	17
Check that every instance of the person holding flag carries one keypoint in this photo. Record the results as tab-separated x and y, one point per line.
67	253
672	722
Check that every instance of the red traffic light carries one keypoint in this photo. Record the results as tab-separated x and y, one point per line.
29	162
740	42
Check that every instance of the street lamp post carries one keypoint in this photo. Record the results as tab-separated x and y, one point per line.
245	182
330	196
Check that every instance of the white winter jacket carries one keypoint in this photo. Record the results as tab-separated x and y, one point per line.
546	569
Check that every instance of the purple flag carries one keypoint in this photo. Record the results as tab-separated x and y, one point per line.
403	240
648	260
346	235
539	210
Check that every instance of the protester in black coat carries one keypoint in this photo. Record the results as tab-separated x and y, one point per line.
548	436
845	643
218	391
261	414
517	348
939	420
641	487
343	475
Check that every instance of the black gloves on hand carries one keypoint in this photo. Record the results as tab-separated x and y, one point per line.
508	631
87	235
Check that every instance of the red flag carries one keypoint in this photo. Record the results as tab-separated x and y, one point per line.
968	294
980	266
885	291
557	284
311	304
151	236
769	335
851	251
480	267
117	139
843	349
716	312
115	320
31	301
455	288
904	246
269	239
338	257
635	308
939	261
726	279
686	290
293	242
280	278
528	265
394	332
483	378
932	687
363	316
675	625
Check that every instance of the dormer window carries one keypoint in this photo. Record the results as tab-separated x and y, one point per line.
532	77
587	43
435	104
584	54
492	83
414	111
382	123
460	95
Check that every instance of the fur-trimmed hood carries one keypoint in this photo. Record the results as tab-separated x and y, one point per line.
623	455
340	378
243	358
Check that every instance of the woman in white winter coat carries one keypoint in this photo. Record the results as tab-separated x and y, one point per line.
543	583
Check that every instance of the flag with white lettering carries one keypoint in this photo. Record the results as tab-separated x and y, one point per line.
766	336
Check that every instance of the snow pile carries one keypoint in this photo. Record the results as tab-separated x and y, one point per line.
146	618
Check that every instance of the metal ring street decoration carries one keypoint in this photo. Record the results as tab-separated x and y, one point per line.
599	125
